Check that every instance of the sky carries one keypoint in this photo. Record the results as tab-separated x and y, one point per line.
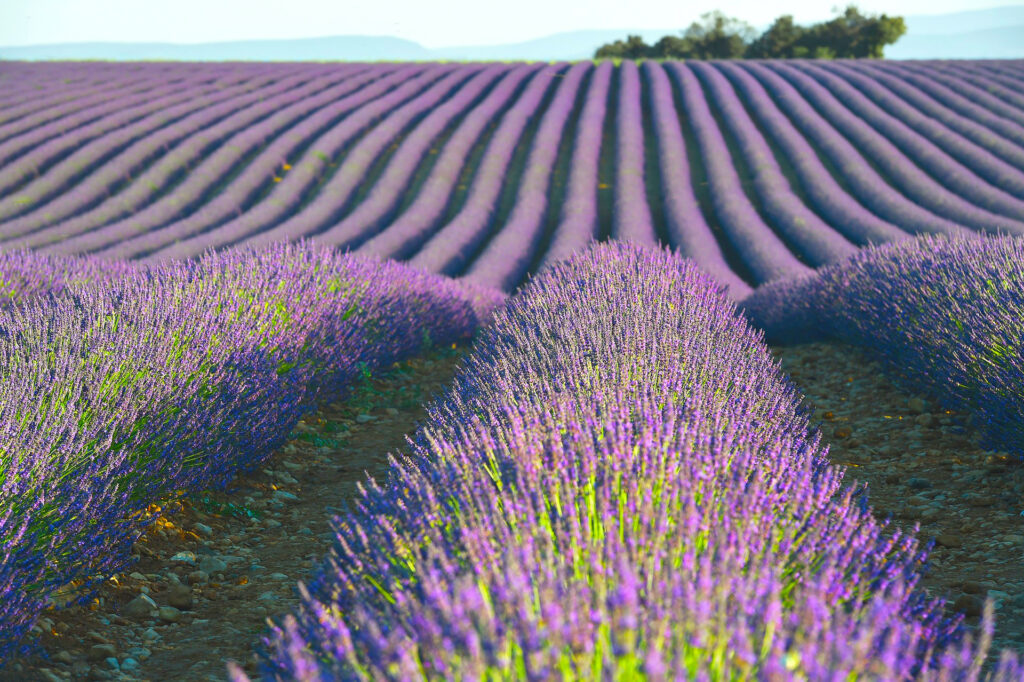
431	23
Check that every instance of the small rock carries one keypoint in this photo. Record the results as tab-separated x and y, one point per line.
284	495
916	405
968	604
98	652
129	664
391	411
169	614
49	676
185	557
949	540
139	652
140	607
973	587
203	529
1014	539
981	501
112	663
270	596
211	565
925	420
364	418
179	596
198	577
291	465
918	483
150	633
64	656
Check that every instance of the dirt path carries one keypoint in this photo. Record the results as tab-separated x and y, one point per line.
215	573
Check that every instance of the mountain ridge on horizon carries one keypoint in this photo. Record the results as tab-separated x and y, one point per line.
993	33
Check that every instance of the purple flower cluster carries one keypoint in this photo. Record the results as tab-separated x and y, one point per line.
942	314
121	389
620	483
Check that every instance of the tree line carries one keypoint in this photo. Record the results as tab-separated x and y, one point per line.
850	35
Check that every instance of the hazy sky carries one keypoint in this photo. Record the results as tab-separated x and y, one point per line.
432	23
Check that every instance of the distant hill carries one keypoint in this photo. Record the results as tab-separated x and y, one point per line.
996	33
975	34
345	48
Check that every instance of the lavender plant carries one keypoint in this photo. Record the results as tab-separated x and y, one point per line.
620	484
178	378
942	314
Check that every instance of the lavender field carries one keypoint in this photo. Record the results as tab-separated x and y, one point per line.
621	483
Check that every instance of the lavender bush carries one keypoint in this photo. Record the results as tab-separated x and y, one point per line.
942	314
178	378
620	484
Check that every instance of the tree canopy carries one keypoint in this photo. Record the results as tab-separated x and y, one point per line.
850	35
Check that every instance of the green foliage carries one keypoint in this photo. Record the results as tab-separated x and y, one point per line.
849	35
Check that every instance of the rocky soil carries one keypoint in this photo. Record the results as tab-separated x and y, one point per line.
217	565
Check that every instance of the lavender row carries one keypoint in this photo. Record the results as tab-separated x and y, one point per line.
997	182
993	81
179	378
998	135
838	206
38	92
389	116
942	315
631	215
620	483
866	185
63	118
916	183
168	221
976	203
817	241
688	230
577	221
379	208
456	242
325	143
268	185
24	274
980	88
79	105
142	199
506	257
51	166
763	252
180	146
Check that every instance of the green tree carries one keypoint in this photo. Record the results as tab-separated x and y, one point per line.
716	36
781	40
633	47
852	35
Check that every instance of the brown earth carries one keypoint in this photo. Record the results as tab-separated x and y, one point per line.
216	574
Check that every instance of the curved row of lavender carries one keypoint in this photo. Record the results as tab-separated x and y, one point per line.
381	122
47	167
506	258
232	213
943	315
373	226
123	384
804	163
620	483
455	243
192	138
